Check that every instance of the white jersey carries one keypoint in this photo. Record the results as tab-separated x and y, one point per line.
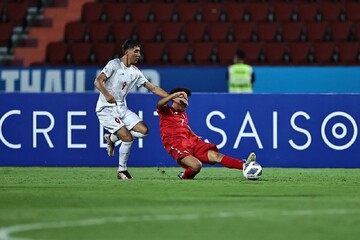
120	80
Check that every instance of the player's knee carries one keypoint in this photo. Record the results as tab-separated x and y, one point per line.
215	156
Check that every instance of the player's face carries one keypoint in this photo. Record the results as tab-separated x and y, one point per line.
133	54
179	103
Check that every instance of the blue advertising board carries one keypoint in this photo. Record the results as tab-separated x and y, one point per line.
285	130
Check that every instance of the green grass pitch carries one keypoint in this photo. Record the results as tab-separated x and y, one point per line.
90	203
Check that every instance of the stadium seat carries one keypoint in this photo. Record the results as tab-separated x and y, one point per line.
91	12
258	11
349	51
56	53
291	31
104	52
153	52
308	11
324	52
211	12
147	31
163	11
235	11
226	52
6	31
275	52
99	31
299	52
331	11
243	31
195	31
16	13
177	52
218	30
352	11
139	11
170	31
284	11
114	11
316	31
267	31
75	32
252	50
202	52
340	30
187	11
80	53
122	31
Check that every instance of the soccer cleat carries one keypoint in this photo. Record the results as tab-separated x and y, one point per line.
125	175
180	175
251	158
110	145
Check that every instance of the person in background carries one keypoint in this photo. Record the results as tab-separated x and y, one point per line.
114	82
241	77
189	151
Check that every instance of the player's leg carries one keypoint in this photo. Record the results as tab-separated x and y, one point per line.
135	124
124	152
192	167
227	161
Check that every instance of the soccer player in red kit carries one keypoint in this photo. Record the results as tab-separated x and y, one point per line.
183	144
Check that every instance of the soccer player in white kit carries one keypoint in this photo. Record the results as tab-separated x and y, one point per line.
114	83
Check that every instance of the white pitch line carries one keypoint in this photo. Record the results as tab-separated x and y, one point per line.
6	232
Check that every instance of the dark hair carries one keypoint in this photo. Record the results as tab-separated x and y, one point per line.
240	54
130	43
179	89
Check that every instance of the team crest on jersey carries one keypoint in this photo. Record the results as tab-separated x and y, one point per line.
117	120
124	86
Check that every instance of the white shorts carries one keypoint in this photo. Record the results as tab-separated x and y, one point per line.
114	118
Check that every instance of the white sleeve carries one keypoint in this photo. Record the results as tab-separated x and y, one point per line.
141	79
109	68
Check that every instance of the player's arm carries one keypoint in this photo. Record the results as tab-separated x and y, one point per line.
155	89
162	102
99	84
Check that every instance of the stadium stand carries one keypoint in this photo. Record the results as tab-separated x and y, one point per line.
297	32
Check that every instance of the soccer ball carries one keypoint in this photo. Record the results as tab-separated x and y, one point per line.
252	171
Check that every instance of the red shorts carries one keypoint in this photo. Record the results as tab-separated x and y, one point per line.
179	148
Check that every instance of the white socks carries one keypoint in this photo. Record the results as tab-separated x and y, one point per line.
137	134
124	152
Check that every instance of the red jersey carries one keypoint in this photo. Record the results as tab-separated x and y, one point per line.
173	123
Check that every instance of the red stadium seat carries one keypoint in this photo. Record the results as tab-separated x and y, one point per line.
99	31
308	11
211	12
122	31
80	53
56	53
163	11
340	30
349	51
202	52
171	30
16	12
267	31
104	52
243	31
153	52
258	11
91	12
114	11
275	51
6	31
147	31
226	51
291	31
252	50
195	31
324	51
218	30
235	11
283	11
187	11
331	11
139	11
75	32
316	30
352	11
177	52
299	52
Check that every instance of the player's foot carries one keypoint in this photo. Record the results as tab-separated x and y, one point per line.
180	175
125	175
110	145
251	158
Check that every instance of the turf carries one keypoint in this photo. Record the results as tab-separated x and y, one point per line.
90	203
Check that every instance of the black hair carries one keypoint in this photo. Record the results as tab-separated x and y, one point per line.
179	89
240	54
130	43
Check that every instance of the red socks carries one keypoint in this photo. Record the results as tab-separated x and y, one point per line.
189	174
230	162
